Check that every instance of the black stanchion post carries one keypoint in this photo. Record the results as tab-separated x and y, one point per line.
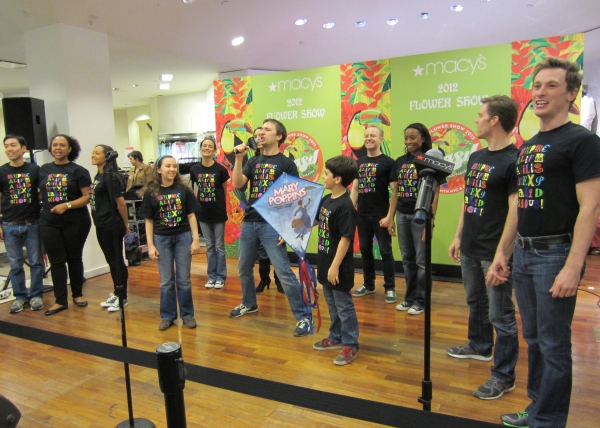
171	377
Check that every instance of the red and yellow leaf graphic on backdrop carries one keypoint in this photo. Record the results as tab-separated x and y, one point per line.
234	120
526	54
365	96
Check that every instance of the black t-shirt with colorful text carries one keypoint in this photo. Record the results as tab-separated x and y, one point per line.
60	184
101	203
489	179
170	209
548	168
262	171
211	195
337	218
407	177
374	176
19	192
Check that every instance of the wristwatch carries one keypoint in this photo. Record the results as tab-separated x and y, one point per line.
68	205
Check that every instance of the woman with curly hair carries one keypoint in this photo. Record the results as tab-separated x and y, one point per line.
65	220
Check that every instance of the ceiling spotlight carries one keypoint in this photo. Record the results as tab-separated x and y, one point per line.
392	21
300	21
328	25
424	15
135	85
456	8
116	89
237	41
485	0
360	24
164	86
166	77
189	1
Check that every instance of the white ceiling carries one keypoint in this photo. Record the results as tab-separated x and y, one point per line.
193	41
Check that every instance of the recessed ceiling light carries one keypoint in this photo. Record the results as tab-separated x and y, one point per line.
392	21
164	86
328	25
237	41
456	8
135	85
116	89
166	77
424	15
360	24
485	0
189	1
300	21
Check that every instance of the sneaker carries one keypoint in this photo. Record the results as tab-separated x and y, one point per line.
219	284
17	306
404	306
210	284
112	298
115	306
325	344
515	419
240	310
493	388
466	352
36	304
390	296
165	324
362	290
190	322
302	327
415	310
348	354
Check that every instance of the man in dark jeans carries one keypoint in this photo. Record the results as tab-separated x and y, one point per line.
21	223
558	177
490	198
375	213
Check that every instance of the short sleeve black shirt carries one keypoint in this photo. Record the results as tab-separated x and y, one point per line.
211	195
169	210
407	177
374	176
19	192
102	205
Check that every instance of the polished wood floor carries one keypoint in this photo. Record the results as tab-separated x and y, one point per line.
57	388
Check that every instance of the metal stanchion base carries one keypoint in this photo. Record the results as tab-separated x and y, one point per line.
137	423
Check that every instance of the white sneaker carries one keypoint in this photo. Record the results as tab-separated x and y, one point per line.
210	284
115	306
112	298
219	284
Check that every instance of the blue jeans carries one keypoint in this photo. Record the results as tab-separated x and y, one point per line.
253	234
412	247
174	263
547	330
491	308
344	323
367	228
17	236
214	233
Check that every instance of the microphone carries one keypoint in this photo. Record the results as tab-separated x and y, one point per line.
432	169
236	151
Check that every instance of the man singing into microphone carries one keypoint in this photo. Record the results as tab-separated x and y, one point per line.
490	194
558	178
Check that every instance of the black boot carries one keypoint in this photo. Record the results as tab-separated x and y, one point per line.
278	284
264	268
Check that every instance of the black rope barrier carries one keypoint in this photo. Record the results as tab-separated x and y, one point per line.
341	405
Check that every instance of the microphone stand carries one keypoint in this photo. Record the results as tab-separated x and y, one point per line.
426	384
131	422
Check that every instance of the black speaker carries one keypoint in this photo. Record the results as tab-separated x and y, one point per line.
9	414
26	117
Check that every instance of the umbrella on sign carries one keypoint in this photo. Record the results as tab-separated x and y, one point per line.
290	206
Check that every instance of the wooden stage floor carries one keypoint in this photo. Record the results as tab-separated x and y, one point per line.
57	388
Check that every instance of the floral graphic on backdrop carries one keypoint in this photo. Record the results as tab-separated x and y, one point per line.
234	117
526	54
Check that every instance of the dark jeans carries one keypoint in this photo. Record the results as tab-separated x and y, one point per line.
344	323
491	308
64	245
547	331
114	257
412	248
367	228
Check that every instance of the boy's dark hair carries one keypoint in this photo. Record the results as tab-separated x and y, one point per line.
344	167
19	138
279	130
505	108
137	155
73	144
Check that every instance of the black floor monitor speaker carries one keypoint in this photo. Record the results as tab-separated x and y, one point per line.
9	414
26	117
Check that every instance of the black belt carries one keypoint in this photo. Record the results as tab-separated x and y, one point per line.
20	222
543	242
